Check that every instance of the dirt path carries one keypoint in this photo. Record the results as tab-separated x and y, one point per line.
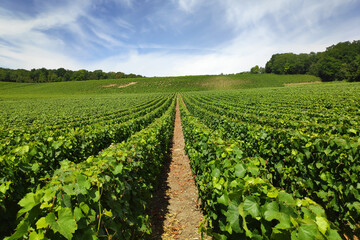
126	85
119	86
175	212
301	83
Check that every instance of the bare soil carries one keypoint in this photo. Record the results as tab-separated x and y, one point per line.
126	85
110	85
301	83
120	86
175	212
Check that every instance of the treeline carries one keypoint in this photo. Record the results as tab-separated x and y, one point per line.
338	62
58	75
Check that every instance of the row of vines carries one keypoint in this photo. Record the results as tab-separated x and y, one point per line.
277	163
85	177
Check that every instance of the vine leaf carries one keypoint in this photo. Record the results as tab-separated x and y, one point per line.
65	225
307	232
252	207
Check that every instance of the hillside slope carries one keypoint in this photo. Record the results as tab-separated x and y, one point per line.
149	85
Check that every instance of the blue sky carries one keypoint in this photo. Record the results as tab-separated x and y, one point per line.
168	37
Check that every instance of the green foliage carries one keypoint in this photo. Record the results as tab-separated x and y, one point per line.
338	62
289	63
329	68
39	111
110	87
255	70
264	153
30	156
238	200
308	135
103	197
60	75
352	70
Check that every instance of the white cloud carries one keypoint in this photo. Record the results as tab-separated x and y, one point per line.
230	59
35	57
189	5
260	29
245	12
123	24
30	47
22	30
253	46
105	33
14	24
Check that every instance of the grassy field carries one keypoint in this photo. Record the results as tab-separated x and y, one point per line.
149	85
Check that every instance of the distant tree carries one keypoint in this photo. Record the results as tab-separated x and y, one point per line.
13	76
352	70
68	76
338	62
289	63
111	75
132	75
60	72
328	68
346	52
52	76
285	63
98	74
4	75
119	75
262	70
58	75
34	75
255	70
42	76
23	76
78	75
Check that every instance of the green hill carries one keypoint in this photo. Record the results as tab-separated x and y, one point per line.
149	85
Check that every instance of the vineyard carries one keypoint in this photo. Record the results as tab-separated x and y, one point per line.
68	175
269	162
276	163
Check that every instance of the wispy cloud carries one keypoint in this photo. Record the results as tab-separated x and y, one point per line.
39	41
30	45
173	38
189	5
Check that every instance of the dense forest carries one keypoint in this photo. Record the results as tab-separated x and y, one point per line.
58	75
338	62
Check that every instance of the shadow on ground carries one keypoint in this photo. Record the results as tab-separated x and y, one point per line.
160	202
